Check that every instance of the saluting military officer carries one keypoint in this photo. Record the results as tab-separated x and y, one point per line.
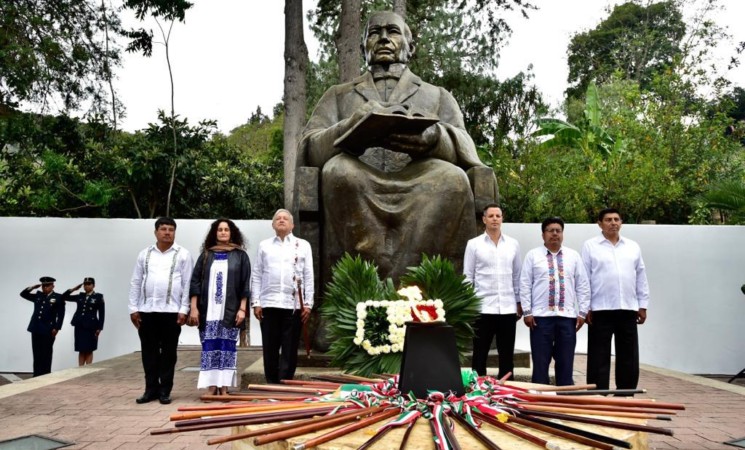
49	312
88	319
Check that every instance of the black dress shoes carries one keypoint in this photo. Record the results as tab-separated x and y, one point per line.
145	398
165	399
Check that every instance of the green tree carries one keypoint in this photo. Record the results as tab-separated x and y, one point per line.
53	172
728	199
65	168
55	54
257	137
635	40
584	166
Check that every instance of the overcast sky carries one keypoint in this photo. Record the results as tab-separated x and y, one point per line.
227	58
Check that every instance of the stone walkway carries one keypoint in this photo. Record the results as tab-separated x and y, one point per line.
94	407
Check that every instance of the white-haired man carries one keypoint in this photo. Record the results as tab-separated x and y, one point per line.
282	295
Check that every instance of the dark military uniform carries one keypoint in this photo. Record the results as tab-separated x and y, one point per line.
88	318
49	312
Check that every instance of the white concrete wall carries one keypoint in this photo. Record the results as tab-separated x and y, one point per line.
694	320
696	311
71	249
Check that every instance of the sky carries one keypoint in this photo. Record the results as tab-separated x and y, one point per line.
227	58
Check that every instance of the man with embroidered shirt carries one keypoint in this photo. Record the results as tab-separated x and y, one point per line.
492	264
555	295
158	307
46	321
619	300
282	296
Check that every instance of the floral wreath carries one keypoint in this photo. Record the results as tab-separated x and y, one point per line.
367	317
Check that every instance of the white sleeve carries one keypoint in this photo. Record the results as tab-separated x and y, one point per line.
135	284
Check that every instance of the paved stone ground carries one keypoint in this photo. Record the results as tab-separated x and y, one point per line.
94	406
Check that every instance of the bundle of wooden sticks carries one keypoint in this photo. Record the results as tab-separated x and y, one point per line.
311	413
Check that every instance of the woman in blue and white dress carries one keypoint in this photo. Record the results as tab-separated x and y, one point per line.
219	294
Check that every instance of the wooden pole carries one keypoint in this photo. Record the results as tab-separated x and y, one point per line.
601	422
405	439
279	406
311	428
281	427
224	422
289	389
613	408
314	442
566	431
563	434
476	433
527	407
276	416
647	403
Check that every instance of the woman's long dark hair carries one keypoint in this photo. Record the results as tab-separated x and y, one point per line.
236	237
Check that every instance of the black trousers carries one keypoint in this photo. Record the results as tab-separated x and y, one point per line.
42	345
605	325
159	333
487	327
280	336
553	337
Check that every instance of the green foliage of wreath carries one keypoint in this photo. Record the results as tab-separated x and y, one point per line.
355	280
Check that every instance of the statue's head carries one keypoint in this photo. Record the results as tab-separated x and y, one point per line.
387	39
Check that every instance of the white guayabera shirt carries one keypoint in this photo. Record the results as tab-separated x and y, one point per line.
279	265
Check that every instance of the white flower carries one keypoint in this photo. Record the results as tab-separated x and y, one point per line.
362	314
410	293
361	306
360	323
438	303
385	349
430	303
357	341
440	314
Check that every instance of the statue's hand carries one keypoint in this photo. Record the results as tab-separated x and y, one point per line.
370	105
355	118
414	145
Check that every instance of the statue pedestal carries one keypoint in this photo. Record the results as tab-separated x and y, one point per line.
430	360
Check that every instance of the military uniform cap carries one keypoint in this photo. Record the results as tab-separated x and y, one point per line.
47	280
90	280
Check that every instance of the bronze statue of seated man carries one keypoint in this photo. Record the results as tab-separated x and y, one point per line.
393	153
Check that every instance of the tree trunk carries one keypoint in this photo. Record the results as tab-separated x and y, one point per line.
348	40
399	7
296	65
